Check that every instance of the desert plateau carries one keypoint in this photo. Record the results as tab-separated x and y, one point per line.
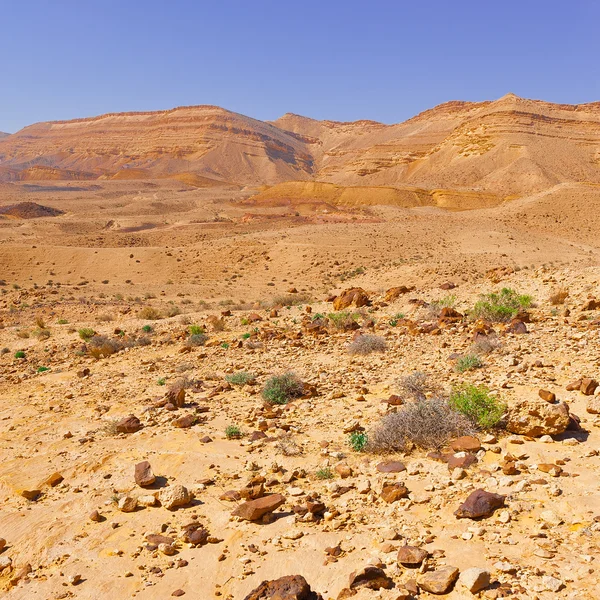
302	359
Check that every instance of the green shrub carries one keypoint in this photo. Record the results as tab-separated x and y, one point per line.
195	329
62	321
500	306
240	378
342	320
475	402
245	336
147	329
468	362
396	319
324	473
357	440
86	333
19	354
435	307
233	432
161	381
280	389
42	369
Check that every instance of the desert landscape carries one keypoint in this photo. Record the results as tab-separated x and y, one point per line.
302	359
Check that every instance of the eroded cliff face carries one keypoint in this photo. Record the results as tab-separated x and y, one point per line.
508	148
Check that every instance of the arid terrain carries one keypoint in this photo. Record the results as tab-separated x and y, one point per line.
157	270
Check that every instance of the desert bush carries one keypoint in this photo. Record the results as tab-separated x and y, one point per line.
290	300
233	432
197	339
468	362
86	333
558	296
149	313
216	323
105	318
41	334
358	440
147	329
396	319
485	345
417	385
101	346
435	308
367	344
39	322
172	310
478	405
240	378
280	389
19	354
254	344
324	473
426	423
343	320
195	329
288	446
23	334
500	306
5	351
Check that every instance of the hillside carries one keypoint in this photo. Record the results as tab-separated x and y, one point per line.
508	148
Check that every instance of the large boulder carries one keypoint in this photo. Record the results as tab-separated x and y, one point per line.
174	496
290	587
479	504
535	418
352	296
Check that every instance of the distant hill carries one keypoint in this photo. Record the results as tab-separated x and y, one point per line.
505	148
29	210
2	134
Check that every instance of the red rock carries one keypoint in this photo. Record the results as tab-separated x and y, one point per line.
574	385
411	556
291	587
479	504
143	474
253	510
176	397
129	424
372	578
352	296
466	443
391	466
547	396
461	462
517	327
395	292
588	386
393	492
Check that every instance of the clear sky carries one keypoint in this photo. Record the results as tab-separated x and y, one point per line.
337	59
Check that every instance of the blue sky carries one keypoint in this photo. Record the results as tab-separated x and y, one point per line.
343	60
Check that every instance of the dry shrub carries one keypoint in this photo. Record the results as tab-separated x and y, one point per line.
288	446
104	318
101	346
558	296
149	313
23	334
367	344
290	300
417	385
216	323
427	424
485	345
40	323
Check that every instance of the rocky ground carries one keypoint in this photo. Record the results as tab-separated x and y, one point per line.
117	477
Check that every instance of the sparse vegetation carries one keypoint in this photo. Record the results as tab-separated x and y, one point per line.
478	405
86	333
240	378
343	320
196	330
147	329
426	424
280	389
367	344
358	440
294	299
396	319
233	432
324	473
468	362
149	313
19	354
558	296
435	307
101	346
417	385
500	306
288	446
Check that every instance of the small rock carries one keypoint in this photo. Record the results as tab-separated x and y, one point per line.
127	504
129	424
479	504
173	496
411	556
144	476
253	510
439	581
474	579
